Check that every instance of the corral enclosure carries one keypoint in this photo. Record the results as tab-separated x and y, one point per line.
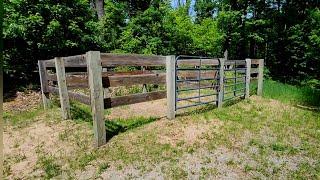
185	81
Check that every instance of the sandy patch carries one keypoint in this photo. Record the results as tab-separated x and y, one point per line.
155	108
188	133
39	139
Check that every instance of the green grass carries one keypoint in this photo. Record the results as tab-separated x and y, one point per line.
47	163
259	138
290	94
22	119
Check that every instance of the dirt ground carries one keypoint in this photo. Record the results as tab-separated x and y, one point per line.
23	101
192	147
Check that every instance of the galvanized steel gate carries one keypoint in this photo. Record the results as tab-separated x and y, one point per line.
196	81
234	79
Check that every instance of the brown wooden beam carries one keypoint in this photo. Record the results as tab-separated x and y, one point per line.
72	95
132	99
131	60
70	61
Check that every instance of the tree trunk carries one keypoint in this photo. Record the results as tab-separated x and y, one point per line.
100	8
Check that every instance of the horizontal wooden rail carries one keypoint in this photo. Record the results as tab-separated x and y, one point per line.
70	61
81	81
131	60
132	99
254	70
72	95
255	61
129	80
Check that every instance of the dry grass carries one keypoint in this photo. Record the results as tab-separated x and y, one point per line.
255	138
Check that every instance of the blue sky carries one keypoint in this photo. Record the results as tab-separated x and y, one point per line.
174	4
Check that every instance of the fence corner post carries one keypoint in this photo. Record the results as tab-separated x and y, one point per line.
44	84
96	96
260	77
248	76
170	81
221	81
62	84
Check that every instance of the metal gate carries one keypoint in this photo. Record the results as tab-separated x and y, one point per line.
234	79
196	81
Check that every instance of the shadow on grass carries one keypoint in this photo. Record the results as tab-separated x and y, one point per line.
114	127
197	110
81	112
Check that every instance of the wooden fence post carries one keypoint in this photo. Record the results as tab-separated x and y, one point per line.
144	88
44	84
96	96
221	82
106	90
62	84
171	91
260	77
248	76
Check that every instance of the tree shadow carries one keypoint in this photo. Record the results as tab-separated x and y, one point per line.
197	110
117	126
82	113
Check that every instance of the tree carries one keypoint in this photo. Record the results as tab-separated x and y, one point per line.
36	30
100	8
204	9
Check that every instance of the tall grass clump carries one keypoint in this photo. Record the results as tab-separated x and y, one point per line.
302	95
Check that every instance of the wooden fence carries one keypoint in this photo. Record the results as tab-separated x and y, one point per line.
86	71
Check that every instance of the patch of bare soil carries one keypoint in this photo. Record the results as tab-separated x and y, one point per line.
23	147
188	133
145	109
22	101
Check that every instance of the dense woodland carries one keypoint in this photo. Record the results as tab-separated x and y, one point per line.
286	33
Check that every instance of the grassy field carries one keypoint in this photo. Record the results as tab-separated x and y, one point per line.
262	137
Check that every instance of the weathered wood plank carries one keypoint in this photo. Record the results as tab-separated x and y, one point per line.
81	81
171	89
70	61
63	91
260	77
254	70
132	99
129	80
73	81
72	95
131	60
44	84
221	82
255	61
248	76
96	96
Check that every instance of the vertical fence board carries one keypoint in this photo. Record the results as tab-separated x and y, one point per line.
221	82
248	76
44	84
96	96
144	88
260	77
170	79
106	90
62	84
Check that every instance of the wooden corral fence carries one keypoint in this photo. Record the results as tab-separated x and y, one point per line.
62	74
